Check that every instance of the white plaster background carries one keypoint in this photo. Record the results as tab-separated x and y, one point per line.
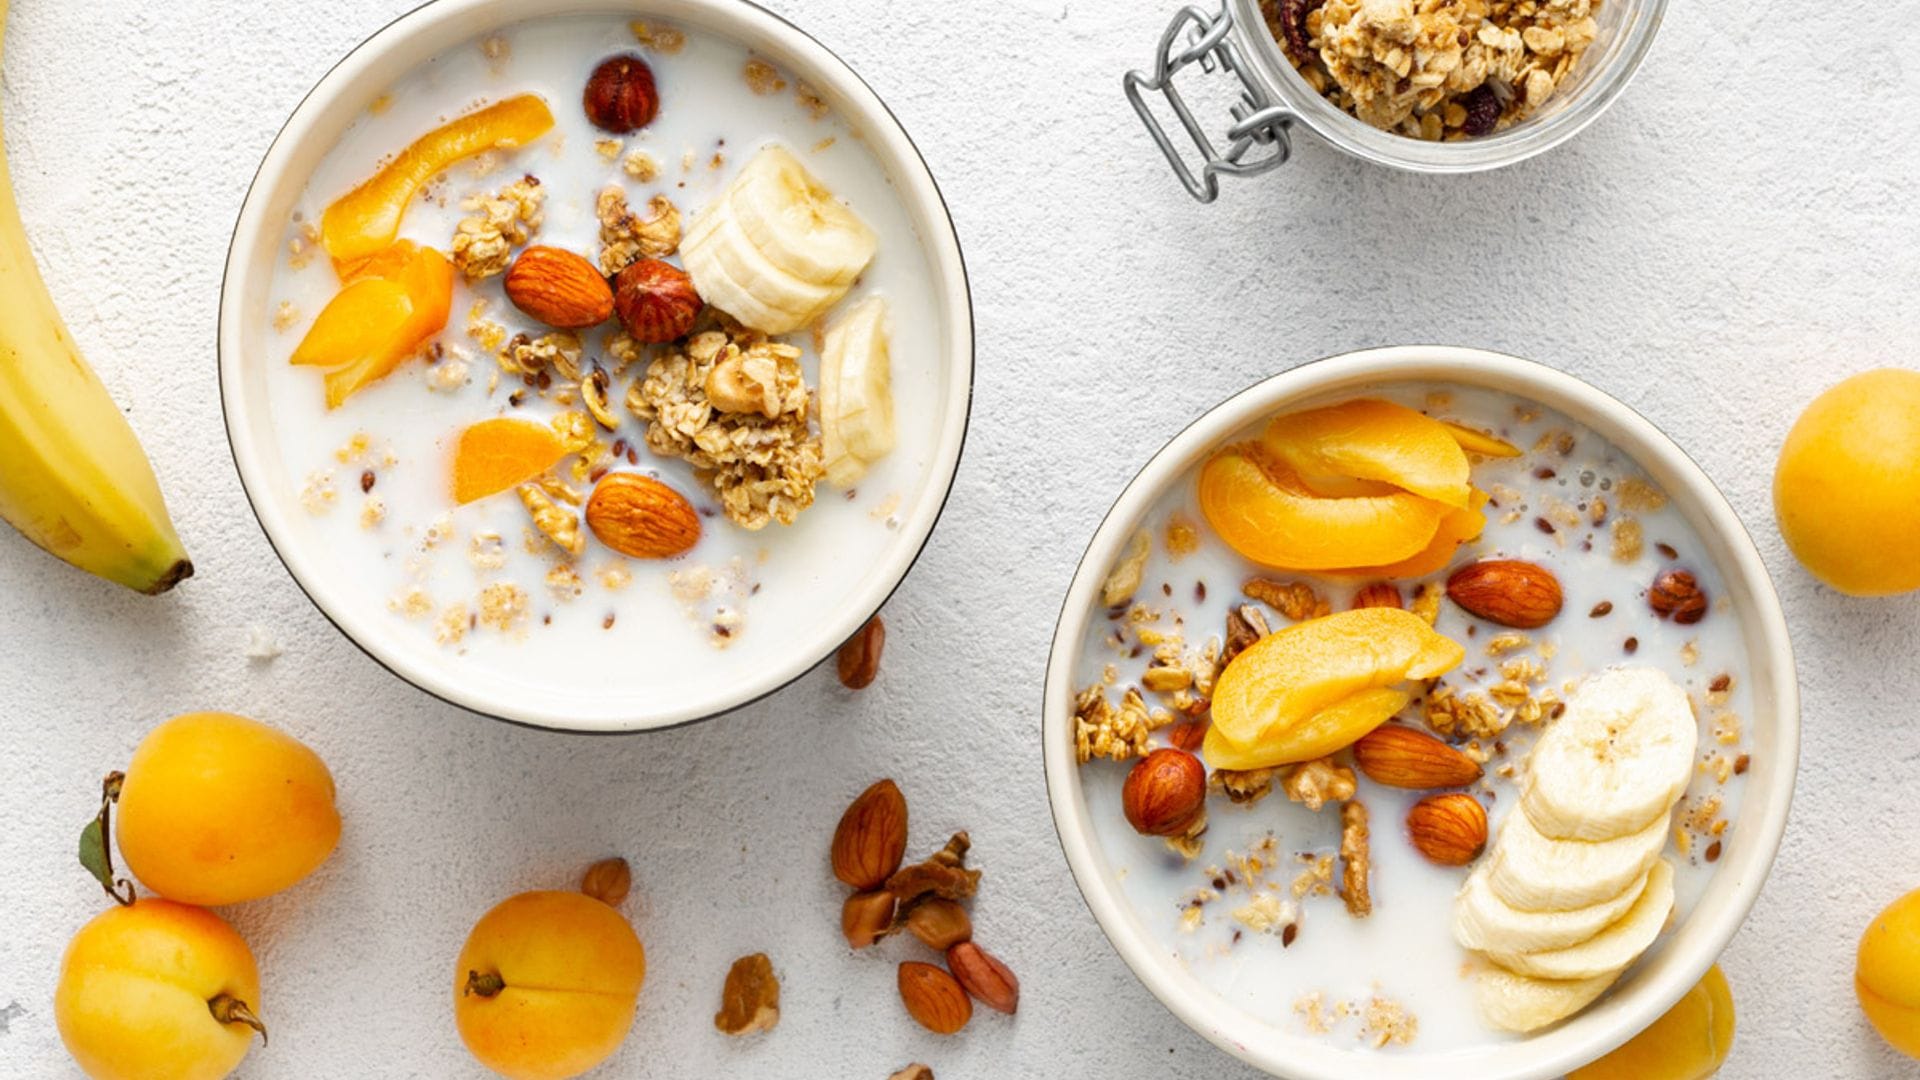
1735	235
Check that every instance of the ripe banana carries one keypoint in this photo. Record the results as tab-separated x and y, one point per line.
1617	760
856	393
1612	949
73	477
1574	889
775	250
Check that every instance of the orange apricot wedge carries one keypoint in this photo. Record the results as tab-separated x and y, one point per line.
1459	527
494	455
1368	439
1262	510
1480	442
1318	686
365	221
373	324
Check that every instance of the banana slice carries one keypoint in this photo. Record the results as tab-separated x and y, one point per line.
1616	761
1485	923
856	392
1521	1003
1612	949
1535	872
797	223
732	275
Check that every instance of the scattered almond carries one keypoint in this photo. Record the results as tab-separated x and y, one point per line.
642	518
859	660
984	977
934	998
1401	757
871	838
559	288
1507	591
915	1071
1448	829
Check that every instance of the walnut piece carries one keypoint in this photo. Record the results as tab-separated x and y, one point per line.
625	237
763	468
1319	782
1243	786
1354	861
750	1001
945	874
1245	625
559	524
484	240
1295	599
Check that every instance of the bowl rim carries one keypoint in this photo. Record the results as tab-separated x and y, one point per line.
1738	878
749	22
1499	150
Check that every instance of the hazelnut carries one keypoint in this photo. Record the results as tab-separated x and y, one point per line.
1165	794
940	923
656	301
1677	595
867	917
620	95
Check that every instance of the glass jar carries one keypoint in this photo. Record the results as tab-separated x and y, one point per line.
1236	43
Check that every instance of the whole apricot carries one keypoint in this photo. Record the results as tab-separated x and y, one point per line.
157	990
1689	1042
1847	489
546	985
217	808
1886	974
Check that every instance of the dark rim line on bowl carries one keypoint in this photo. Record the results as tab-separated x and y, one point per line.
966	289
1079	566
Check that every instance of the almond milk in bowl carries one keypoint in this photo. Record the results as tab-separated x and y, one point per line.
1420	712
595	366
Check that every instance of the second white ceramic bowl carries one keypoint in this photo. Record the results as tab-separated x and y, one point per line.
246	311
1681	958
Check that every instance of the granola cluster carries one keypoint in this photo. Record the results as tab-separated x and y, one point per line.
484	240
763	467
1435	69
626	236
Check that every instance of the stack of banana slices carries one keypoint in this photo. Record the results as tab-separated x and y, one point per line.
776	251
1574	888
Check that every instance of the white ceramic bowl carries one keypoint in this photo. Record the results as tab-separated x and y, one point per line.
1678	960
246	311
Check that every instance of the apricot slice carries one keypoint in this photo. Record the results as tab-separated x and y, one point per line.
364	221
1480	442
1262	510
1318	686
501	453
1374	440
376	322
1458	527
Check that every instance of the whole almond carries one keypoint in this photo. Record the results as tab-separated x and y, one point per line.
985	977
940	923
1510	592
641	517
1448	829
872	837
858	663
934	998
867	917
559	288
1401	757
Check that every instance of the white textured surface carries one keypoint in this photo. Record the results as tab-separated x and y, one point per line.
1735	235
